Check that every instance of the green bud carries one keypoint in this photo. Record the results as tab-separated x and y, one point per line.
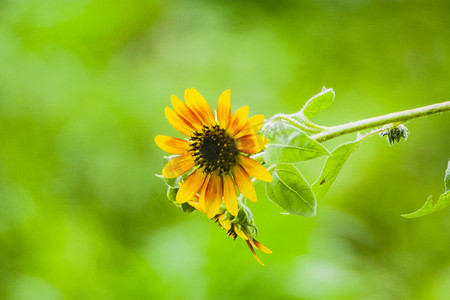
395	134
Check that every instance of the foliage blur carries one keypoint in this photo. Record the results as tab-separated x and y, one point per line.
83	86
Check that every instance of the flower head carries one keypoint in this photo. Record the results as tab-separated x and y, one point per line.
243	226
216	153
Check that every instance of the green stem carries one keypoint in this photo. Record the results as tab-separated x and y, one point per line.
293	122
307	122
397	117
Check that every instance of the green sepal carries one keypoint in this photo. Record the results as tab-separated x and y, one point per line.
187	208
172	195
290	191
245	220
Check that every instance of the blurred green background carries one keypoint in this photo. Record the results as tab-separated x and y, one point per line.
83	86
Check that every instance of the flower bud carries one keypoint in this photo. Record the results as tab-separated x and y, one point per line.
395	134
243	226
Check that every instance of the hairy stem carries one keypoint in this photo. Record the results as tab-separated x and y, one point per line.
397	117
293	122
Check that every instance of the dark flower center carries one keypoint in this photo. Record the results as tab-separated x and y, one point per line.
214	149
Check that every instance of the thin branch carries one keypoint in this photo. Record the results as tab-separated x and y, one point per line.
291	121
397	117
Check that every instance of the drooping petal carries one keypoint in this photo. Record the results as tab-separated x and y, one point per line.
244	183
251	144
199	106
254	168
229	195
238	120
260	246
224	109
172	145
185	112
178	166
178	122
214	193
240	232
253	251
191	186
253	125
225	223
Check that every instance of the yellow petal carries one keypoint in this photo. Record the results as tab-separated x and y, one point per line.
253	251
260	246
199	106
251	144
201	199
225	223
238	120
254	168
171	144
224	109
256	122
185	112
239	232
195	204
191	186
244	183
253	125
178	166
178	122
213	198
229	195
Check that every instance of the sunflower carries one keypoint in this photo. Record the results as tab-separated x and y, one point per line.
216	152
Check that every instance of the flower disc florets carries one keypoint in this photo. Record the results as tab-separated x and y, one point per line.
214	149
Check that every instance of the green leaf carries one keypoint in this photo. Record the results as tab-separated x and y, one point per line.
430	206
332	167
290	191
447	178
318	103
289	144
